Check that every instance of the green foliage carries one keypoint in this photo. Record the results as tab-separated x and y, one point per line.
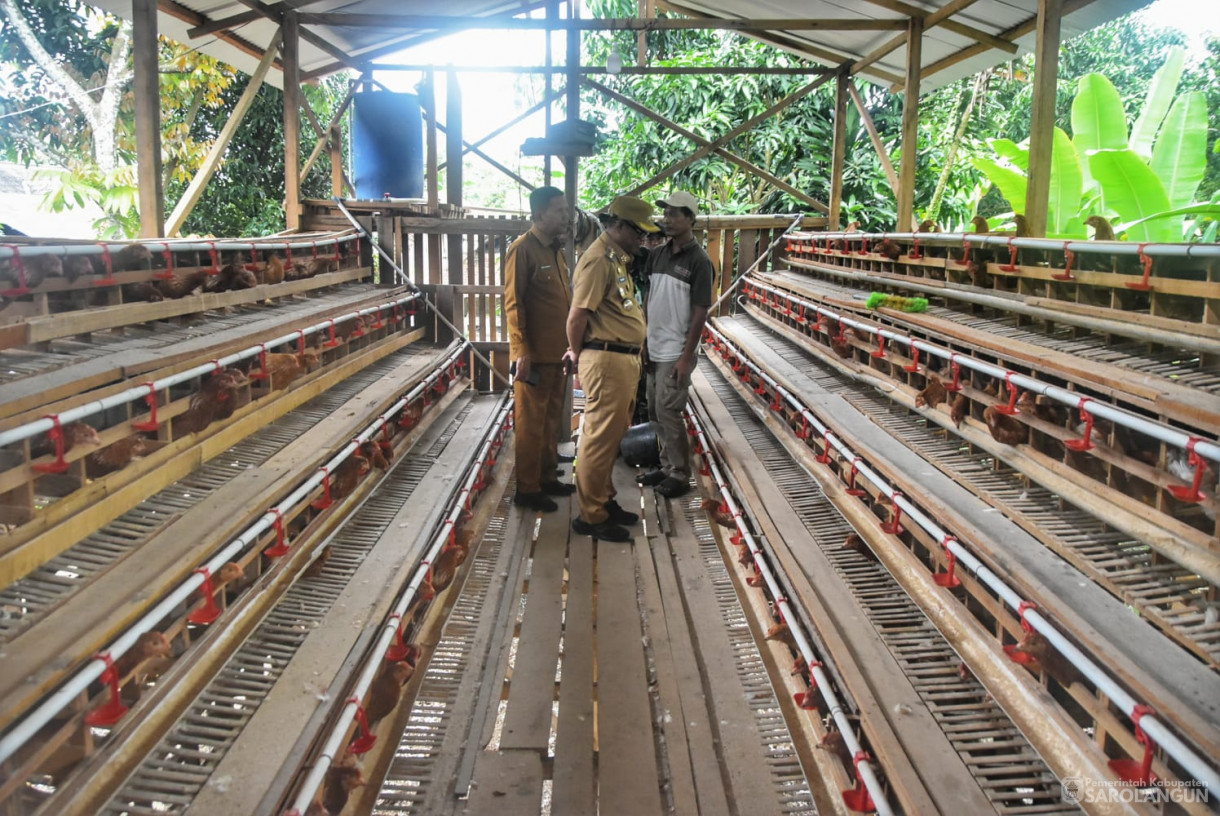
1131	189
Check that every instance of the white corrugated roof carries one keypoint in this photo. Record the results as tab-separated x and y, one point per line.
947	55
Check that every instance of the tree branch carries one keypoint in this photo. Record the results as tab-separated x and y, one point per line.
69	86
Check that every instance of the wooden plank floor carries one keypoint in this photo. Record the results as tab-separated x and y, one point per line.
619	683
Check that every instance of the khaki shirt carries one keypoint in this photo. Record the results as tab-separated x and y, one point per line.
602	284
536	298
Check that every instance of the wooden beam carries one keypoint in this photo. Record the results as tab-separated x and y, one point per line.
194	18
396	44
292	121
838	150
1016	32
788	100
190	197
471	146
317	41
878	145
326	135
929	21
1042	119
450	23
801	48
949	24
223	24
748	166
910	128
147	93
659	70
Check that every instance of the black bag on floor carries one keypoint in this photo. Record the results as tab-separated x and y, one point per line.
640	446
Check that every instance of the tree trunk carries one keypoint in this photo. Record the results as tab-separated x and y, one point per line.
980	82
101	115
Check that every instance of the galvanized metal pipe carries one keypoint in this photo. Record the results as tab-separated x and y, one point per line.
1135	422
78	683
38	426
1182	753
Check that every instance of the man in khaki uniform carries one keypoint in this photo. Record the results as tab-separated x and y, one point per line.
536	303
605	336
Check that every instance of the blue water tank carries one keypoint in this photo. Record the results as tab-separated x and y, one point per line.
387	145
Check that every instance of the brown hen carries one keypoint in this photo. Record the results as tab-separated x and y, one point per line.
115	456
284	368
149	645
933	393
959	409
1004	429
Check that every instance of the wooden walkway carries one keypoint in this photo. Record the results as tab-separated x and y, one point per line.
573	652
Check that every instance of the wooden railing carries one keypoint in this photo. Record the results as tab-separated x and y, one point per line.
458	258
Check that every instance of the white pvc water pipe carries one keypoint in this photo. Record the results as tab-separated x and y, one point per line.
1163	433
822	680
1182	753
38	426
338	734
9	250
70	689
1049	244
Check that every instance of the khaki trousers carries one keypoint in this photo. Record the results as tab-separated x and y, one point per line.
666	401
609	380
537	413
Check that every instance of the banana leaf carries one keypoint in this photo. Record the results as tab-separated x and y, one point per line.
1098	121
1017	155
1130	188
1160	95
1010	181
1067	185
1180	156
1212	210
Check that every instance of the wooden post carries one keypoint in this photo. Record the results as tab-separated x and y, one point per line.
428	100
453	173
910	127
647	10
336	161
292	121
878	145
572	163
147	92
1042	119
551	13
210	164
839	151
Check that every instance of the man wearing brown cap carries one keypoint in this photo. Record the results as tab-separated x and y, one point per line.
606	334
536	302
680	281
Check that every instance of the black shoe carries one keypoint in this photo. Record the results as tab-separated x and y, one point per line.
620	516
563	457
605	531
535	501
673	487
558	488
651	478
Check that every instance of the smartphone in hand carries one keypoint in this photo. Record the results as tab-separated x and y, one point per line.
532	379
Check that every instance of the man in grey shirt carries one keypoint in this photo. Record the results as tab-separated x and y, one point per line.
680	276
